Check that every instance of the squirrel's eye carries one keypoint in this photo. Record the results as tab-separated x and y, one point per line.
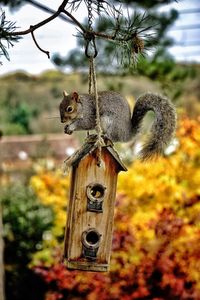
69	109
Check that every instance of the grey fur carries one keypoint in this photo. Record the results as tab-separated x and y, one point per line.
163	127
116	121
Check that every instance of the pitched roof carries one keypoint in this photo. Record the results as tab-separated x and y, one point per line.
89	146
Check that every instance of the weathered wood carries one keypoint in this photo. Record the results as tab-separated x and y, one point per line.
87	266
85	173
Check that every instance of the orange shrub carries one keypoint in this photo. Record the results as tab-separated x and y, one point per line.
156	240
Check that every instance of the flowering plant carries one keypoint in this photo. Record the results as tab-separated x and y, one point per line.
156	240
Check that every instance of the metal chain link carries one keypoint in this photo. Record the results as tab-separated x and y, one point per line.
89	14
89	36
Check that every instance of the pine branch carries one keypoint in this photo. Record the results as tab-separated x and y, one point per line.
127	33
7	39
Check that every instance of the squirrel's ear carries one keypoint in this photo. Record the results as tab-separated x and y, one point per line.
75	96
65	94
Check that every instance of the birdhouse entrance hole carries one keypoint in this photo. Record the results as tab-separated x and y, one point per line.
97	191
90	241
95	195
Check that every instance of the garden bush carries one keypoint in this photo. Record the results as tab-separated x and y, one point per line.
156	239
25	221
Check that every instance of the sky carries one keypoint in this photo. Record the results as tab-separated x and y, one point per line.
59	37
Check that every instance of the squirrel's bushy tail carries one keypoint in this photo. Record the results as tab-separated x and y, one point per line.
163	127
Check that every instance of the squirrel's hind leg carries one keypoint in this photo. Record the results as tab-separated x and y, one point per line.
109	128
106	126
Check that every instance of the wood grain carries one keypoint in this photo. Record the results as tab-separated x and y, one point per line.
79	219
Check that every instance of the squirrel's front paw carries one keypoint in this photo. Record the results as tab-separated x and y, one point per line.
68	130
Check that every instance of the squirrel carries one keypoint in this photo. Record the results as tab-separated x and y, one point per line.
79	111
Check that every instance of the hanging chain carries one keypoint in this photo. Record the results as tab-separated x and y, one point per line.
89	15
88	40
89	35
90	29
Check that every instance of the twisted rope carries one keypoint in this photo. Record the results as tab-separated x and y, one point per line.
93	81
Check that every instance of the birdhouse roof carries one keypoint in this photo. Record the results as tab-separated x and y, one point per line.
90	146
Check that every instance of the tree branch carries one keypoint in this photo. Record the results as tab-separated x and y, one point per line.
119	35
48	10
75	21
42	23
37	45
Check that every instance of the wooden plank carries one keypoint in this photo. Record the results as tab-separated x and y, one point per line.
70	212
87	266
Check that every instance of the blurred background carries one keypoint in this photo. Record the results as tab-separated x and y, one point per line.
156	238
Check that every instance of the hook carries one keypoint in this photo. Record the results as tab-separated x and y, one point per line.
90	38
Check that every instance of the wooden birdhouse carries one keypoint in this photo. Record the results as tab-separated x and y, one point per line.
88	236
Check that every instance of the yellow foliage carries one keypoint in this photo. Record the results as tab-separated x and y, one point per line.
158	203
52	189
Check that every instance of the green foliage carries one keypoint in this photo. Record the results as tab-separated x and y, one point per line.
18	105
28	102
169	75
51	76
156	235
40	97
13	129
20	114
25	220
18	76
74	59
